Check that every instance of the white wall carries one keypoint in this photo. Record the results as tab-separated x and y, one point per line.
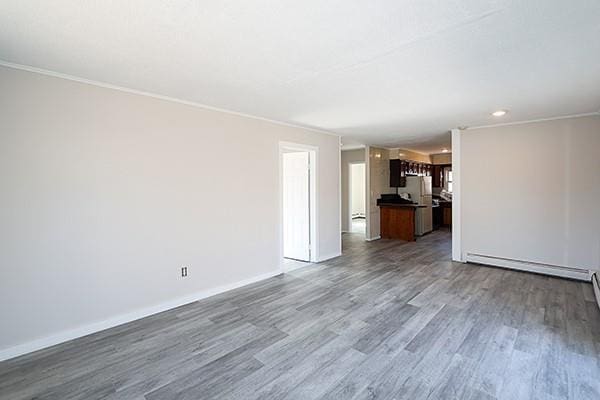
105	194
378	170
442	158
404	154
348	157
531	192
358	188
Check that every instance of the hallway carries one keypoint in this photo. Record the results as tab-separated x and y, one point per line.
359	225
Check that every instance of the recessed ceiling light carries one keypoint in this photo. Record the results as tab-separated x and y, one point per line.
445	150
499	113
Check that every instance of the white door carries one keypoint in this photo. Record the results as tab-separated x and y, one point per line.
296	206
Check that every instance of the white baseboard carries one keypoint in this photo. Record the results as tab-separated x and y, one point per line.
540	268
329	257
61	337
300	264
373	238
596	284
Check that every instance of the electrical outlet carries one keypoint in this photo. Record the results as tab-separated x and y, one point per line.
184	271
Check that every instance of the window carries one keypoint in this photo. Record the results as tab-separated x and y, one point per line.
449	180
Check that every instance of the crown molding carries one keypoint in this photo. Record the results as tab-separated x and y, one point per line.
405	149
530	121
92	82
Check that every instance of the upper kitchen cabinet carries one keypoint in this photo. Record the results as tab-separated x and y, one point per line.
400	169
397	174
437	175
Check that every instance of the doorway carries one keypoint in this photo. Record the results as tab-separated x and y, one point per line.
357	198
298	205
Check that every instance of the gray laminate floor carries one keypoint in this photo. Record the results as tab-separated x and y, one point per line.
388	320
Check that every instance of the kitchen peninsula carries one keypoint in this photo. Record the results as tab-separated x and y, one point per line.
397	220
409	212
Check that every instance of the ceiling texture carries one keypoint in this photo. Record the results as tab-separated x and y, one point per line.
391	73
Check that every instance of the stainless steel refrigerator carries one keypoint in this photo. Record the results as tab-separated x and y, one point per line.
419	188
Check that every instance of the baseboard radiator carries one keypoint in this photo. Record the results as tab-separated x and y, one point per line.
540	268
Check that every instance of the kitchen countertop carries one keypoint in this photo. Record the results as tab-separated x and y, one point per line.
405	205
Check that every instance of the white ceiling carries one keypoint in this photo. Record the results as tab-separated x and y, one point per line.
393	73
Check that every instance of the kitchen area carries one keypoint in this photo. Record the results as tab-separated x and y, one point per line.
419	199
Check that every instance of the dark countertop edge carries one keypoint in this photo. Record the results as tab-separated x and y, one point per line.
400	205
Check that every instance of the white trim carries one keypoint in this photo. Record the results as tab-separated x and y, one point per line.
340	167
530	266
367	193
95	327
313	152
301	264
457	254
530	121
492	126
329	257
351	147
404	148
92	82
373	238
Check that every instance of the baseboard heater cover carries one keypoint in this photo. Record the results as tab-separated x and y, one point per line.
530	266
596	285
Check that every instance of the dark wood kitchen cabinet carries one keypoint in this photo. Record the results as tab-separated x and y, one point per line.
442	214
437	175
397	221
399	169
395	173
447	215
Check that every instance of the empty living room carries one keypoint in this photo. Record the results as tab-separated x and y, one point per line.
309	200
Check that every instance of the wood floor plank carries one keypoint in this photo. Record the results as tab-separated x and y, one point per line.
386	320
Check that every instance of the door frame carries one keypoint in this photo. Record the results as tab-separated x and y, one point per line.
313	154
457	251
349	216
